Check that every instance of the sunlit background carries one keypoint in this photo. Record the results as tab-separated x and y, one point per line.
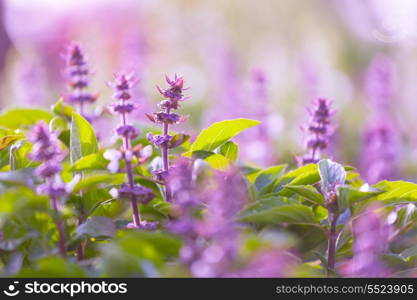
262	59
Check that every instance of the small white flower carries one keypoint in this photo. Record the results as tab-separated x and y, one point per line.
146	151
114	193
114	156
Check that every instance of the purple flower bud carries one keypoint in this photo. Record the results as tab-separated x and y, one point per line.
165	118
128	131
160	174
174	92
54	190
159	140
48	169
144	195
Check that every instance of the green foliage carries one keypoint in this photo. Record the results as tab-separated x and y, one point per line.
276	210
20	118
397	192
218	135
230	150
83	140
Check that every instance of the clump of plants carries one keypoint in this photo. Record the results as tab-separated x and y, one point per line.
161	202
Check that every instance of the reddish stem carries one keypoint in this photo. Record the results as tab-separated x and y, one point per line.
129	171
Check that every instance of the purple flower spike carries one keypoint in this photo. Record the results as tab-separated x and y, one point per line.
78	73
47	151
379	82
319	131
173	94
381	145
122	93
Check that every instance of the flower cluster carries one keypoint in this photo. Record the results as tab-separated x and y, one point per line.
319	130
173	95
47	151
78	73
130	190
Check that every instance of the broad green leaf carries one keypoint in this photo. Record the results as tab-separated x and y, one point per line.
96	227
306	191
19	118
230	150
332	174
219	133
94	161
83	140
347	196
274	211
267	177
397	191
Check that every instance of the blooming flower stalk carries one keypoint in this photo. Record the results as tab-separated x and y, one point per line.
47	151
78	72
319	130
173	95
124	106
380	140
371	237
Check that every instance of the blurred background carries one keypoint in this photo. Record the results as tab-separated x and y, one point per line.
264	59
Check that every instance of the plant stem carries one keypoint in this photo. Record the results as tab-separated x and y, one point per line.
60	227
165	159
331	251
81	247
129	171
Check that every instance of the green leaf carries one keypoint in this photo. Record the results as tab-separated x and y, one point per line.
307	174
63	110
397	191
83	140
19	118
219	133
272	211
267	177
306	191
96	179
94	161
332	174
53	267
215	160
408	253
230	150
178	139
9	140
18	156
218	161
96	227
347	196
